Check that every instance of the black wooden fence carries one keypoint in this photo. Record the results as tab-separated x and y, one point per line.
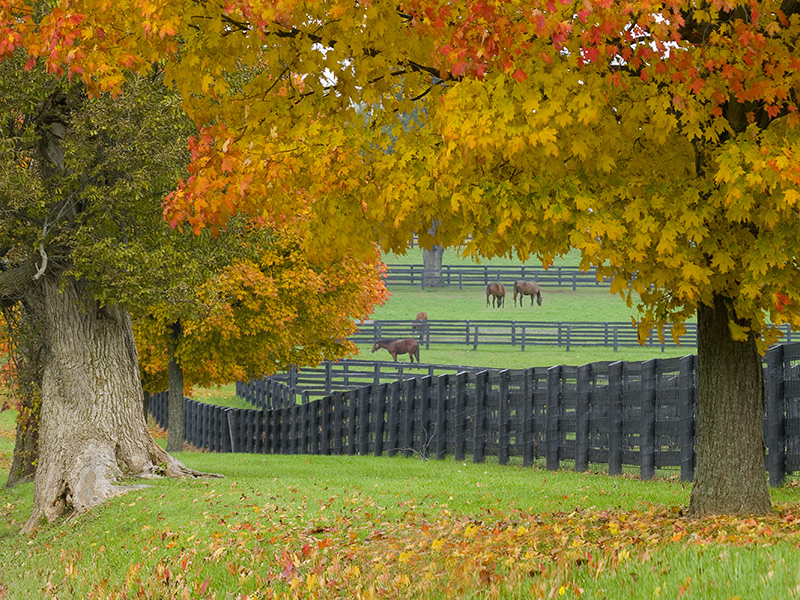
617	414
523	334
481	275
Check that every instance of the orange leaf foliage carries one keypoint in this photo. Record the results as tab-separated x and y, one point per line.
254	318
661	138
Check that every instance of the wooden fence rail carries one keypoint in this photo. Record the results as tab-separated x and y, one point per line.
634	414
523	334
481	275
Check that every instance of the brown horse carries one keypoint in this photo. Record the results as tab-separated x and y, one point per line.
405	346
498	294
527	288
421	322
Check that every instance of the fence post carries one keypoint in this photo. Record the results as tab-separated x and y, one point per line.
313	427
395	389
442	390
776	420
647	439
328	377
426	433
325	425
303	424
615	418
479	425
527	418
553	433
523	338
380	415
582	418
475	339
286	432
686	391
338	420
504	435
352	412
410	392
460	410
364	397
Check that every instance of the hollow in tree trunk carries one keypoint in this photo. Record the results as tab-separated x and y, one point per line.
92	428
730	476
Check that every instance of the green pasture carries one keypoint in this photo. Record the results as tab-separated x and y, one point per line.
363	527
558	304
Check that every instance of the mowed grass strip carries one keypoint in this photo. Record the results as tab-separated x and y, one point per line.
366	527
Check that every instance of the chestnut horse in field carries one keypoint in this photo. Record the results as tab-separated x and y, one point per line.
405	346
527	288
498	294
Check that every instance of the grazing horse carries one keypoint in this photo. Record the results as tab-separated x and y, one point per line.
498	294
527	288
421	322
405	346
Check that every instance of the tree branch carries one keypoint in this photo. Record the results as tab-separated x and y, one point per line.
16	281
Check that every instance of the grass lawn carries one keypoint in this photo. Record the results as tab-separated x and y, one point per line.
366	527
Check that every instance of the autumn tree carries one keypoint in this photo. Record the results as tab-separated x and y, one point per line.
81	185
659	138
258	306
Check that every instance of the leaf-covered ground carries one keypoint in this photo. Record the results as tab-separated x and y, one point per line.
583	553
229	542
365	527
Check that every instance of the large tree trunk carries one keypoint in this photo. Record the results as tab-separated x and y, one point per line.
92	428
432	266
730	476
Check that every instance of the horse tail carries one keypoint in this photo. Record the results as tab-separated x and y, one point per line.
539	297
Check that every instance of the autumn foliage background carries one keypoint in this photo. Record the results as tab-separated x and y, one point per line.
660	139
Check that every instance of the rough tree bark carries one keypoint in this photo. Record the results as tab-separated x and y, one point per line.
92	428
175	397
730	476
432	266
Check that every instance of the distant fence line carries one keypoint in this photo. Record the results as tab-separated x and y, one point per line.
640	414
481	275
475	333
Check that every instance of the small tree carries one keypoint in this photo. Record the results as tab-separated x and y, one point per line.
269	308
